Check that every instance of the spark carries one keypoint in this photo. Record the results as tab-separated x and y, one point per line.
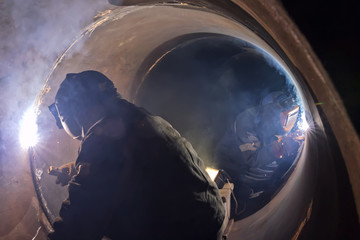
28	129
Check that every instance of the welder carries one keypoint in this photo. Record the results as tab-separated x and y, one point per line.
260	135
135	177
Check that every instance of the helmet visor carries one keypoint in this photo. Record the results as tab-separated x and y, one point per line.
289	118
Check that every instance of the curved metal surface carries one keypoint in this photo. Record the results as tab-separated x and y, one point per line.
299	202
93	51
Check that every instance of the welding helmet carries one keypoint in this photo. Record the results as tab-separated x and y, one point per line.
78	92
289	109
288	118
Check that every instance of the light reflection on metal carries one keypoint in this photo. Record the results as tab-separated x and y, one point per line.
29	129
39	173
37	233
306	219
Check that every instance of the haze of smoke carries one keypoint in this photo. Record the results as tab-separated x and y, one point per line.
289	81
34	33
276	65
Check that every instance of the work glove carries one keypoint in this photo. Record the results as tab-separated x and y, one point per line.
285	147
63	173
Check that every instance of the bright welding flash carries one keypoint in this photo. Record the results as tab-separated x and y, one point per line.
304	125
212	172
28	129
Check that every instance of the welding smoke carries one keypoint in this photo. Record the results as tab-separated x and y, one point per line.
208	82
34	33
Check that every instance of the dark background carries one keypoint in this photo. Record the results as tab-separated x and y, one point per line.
332	28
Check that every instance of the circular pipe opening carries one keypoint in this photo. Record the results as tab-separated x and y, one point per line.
192	67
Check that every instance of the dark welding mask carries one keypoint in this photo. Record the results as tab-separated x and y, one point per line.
54	112
77	92
66	121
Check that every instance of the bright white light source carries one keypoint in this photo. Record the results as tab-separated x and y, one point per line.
304	125
28	129
212	172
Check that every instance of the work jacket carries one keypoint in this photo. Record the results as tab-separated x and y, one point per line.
138	179
246	144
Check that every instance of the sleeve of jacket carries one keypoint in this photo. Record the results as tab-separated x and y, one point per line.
263	156
84	214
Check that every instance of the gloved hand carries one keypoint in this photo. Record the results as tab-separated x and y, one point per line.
285	147
64	173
